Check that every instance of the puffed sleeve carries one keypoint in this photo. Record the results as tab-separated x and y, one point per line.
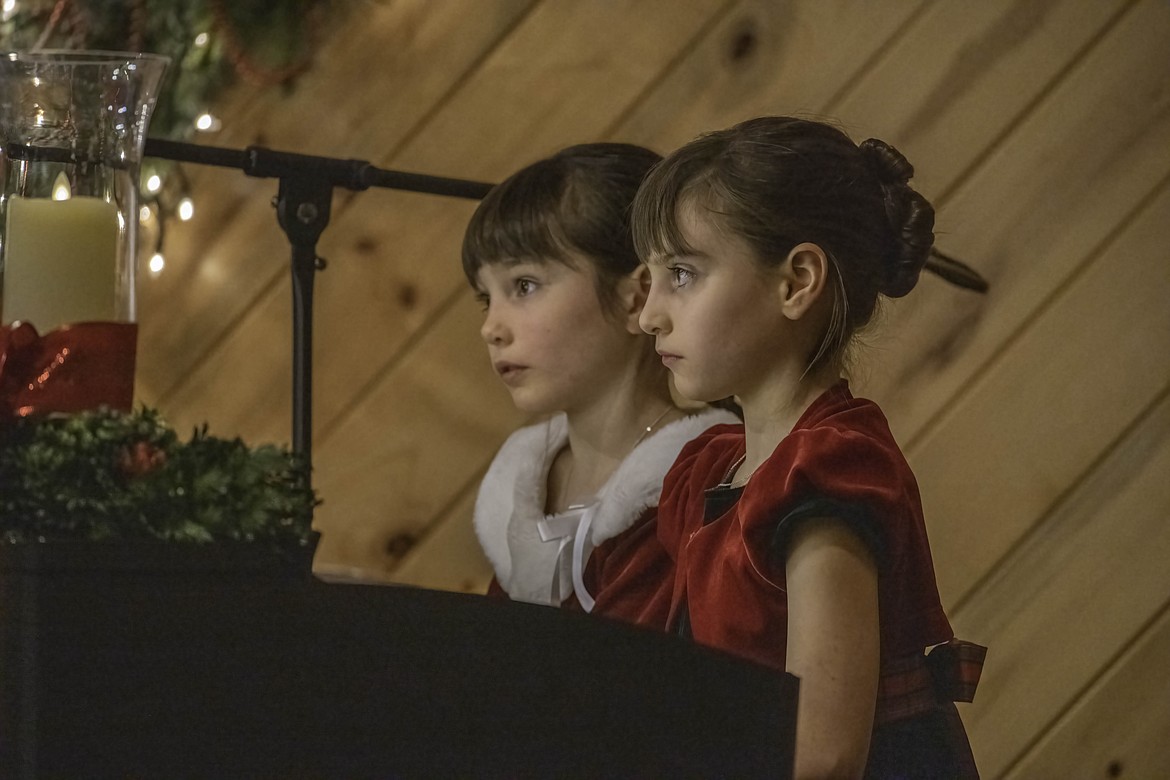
848	467
837	466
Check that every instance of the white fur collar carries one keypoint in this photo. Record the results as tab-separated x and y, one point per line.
512	495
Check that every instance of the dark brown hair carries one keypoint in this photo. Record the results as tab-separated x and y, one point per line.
776	182
578	200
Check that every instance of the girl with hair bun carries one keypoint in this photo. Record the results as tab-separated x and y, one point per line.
798	538
567	507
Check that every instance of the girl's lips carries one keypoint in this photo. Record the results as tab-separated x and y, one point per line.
509	372
668	359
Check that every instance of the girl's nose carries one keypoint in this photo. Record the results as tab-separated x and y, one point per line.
652	319
494	331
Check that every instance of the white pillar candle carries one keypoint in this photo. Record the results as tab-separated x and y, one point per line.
60	263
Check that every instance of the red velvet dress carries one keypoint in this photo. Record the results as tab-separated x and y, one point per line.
729	545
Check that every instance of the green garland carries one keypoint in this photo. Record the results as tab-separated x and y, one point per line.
113	475
210	42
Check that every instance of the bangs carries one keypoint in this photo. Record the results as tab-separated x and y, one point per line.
517	220
672	185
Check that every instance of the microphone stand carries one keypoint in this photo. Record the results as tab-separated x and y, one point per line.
303	202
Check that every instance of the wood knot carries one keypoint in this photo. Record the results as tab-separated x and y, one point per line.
743	43
400	544
1114	769
366	245
408	296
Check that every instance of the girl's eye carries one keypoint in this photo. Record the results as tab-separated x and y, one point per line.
525	287
483	300
680	277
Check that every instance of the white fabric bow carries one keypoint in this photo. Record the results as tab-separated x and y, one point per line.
570	527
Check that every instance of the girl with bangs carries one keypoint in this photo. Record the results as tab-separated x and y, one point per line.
567	507
798	538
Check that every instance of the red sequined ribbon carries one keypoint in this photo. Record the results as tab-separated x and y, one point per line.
74	368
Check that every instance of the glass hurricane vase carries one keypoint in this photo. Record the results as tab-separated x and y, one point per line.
72	130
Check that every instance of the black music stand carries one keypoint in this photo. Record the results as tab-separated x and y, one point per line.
175	661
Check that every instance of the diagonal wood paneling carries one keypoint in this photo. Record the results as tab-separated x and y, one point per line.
963	74
1118	728
1053	187
766	57
449	541
384	483
1051	420
1072	595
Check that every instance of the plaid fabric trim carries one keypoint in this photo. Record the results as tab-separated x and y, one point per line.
914	684
905	689
956	667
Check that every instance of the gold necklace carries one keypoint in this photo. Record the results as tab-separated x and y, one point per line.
641	437
650	427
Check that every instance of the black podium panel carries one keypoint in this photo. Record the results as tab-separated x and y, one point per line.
209	662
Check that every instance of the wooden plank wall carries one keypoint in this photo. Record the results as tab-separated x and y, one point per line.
1037	417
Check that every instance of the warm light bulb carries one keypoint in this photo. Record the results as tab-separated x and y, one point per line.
206	123
186	209
144	214
157	263
154	183
201	39
9	8
61	187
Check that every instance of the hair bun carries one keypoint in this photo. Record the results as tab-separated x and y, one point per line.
887	163
911	217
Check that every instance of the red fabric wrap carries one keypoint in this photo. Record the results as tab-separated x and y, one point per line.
74	368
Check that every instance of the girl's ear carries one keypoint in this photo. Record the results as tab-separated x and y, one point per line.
632	293
804	277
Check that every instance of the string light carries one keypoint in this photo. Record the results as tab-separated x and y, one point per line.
200	40
9	9
164	197
206	123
